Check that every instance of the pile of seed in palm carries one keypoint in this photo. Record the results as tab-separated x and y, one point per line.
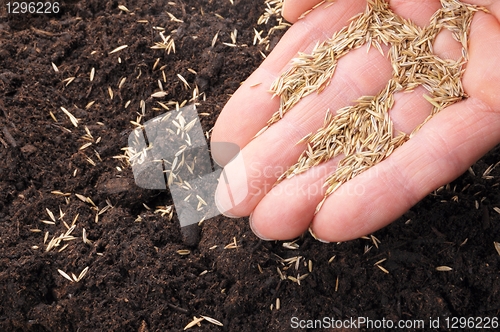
363	134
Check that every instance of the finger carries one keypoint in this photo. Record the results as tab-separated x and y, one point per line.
482	77
251	106
293	9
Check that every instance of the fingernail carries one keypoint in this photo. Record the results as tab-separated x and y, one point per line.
317	238
221	209
250	219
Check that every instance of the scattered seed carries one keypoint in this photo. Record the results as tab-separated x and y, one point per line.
69	80
92	74
51	215
65	275
55	67
497	247
213	321
122	81
48	222
159	94
443	268
82	198
63	247
290	245
183	252
84	146
118	49
232	245
382	268
71	117
173	18
186	84
195	321
497	209
214	40
89	105
82	274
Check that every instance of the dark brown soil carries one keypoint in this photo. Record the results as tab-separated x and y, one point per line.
137	281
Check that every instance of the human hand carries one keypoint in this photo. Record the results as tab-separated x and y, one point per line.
438	153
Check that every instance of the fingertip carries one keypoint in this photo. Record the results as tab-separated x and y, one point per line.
256	230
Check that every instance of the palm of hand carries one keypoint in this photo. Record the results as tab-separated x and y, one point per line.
436	155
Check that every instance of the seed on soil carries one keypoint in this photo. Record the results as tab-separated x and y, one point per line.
159	94
382	268
186	84
213	321
118	49
282	276
63	247
183	252
65	275
278	303
195	321
122	81
82	274
92	74
497	247
89	105
290	245
214	40
55	67
123	8
232	245
84	146
51	215
173	18
69	80
84	237
443	268
48	222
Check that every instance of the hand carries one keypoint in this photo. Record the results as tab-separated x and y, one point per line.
442	150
